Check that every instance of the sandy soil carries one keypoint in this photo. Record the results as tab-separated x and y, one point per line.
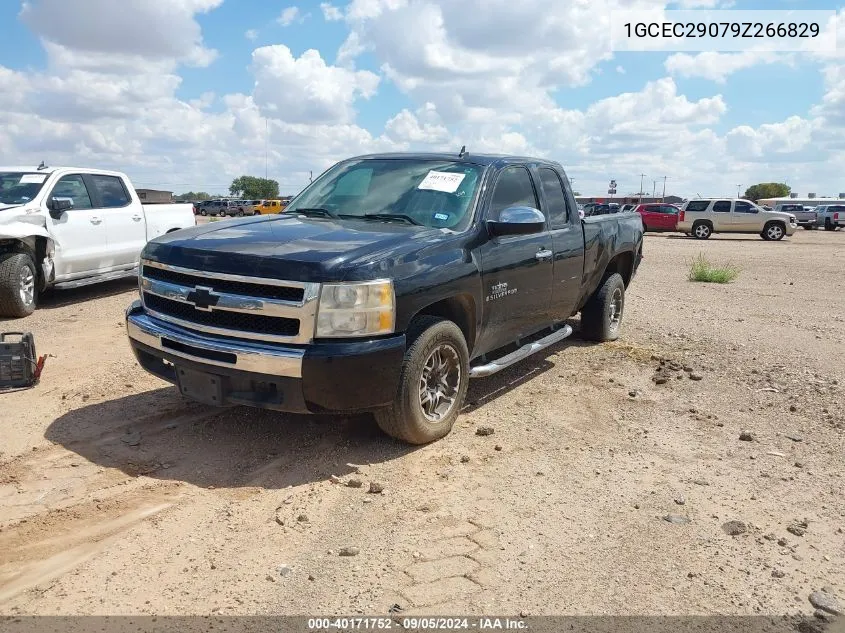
118	497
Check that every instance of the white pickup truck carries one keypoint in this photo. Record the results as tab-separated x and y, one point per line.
64	227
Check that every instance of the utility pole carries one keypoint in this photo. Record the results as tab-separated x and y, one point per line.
641	186
310	176
737	190
664	189
653	189
266	134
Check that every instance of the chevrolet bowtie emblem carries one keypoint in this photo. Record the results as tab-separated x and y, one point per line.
203	298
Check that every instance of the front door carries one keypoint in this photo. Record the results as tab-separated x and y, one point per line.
746	217
80	232
126	231
516	269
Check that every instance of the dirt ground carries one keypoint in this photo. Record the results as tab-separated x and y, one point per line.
118	497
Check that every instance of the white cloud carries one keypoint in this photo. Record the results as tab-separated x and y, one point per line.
251	34
324	94
620	70
718	66
137	30
288	16
330	12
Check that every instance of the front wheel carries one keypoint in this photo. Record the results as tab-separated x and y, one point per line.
601	317
18	285
773	232
432	383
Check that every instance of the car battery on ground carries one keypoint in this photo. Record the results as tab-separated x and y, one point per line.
19	366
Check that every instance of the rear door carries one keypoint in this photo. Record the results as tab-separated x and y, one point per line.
651	219
80	232
516	269
668	217
567	243
722	217
126	230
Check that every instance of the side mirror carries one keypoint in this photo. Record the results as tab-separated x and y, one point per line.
59	205
517	221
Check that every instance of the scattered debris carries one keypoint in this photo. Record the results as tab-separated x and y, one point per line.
284	570
734	528
336	480
302	518
498	447
484	431
798	529
354	483
794	438
778	573
464	459
632	393
825	602
676	519
775	454
349	551
746	436
395	608
696	376
131	438
680	500
376	488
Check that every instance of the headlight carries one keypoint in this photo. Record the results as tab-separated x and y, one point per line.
356	309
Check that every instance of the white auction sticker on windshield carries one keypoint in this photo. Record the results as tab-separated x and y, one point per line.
32	179
442	181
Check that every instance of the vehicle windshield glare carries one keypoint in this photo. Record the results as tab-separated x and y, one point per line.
433	193
18	187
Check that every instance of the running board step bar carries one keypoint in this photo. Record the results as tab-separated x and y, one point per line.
488	369
88	281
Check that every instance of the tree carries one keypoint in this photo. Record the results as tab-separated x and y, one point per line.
254	188
576	193
766	190
192	195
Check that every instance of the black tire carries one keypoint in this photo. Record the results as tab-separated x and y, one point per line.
13	268
773	231
203	212
702	230
405	419
828	226
598	322
645	228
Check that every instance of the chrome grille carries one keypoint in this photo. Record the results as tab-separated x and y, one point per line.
253	308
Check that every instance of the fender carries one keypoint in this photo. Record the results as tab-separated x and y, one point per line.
25	231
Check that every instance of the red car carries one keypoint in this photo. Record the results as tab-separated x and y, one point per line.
658	216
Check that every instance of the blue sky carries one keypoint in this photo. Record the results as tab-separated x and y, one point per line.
450	78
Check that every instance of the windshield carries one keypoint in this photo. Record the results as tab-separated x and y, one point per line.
437	194
19	187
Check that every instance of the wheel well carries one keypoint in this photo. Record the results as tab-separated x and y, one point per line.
781	222
623	264
460	310
176	229
707	222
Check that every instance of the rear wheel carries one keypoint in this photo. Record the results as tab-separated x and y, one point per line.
828	226
601	317
702	230
18	285
203	212
645	228
432	383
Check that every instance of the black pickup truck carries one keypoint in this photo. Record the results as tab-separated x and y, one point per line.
385	285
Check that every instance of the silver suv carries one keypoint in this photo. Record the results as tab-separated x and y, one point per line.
703	217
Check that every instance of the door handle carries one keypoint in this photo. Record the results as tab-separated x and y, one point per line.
95	220
137	218
543	254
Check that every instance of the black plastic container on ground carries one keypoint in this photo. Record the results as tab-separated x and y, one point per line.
18	361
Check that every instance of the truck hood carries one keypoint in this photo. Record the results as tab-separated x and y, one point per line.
294	248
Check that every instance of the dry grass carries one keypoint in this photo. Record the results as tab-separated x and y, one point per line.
702	270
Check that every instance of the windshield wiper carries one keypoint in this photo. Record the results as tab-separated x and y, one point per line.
392	216
318	211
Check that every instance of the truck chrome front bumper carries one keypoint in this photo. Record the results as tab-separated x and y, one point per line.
241	355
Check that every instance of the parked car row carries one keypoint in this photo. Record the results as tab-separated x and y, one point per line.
829	216
239	208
